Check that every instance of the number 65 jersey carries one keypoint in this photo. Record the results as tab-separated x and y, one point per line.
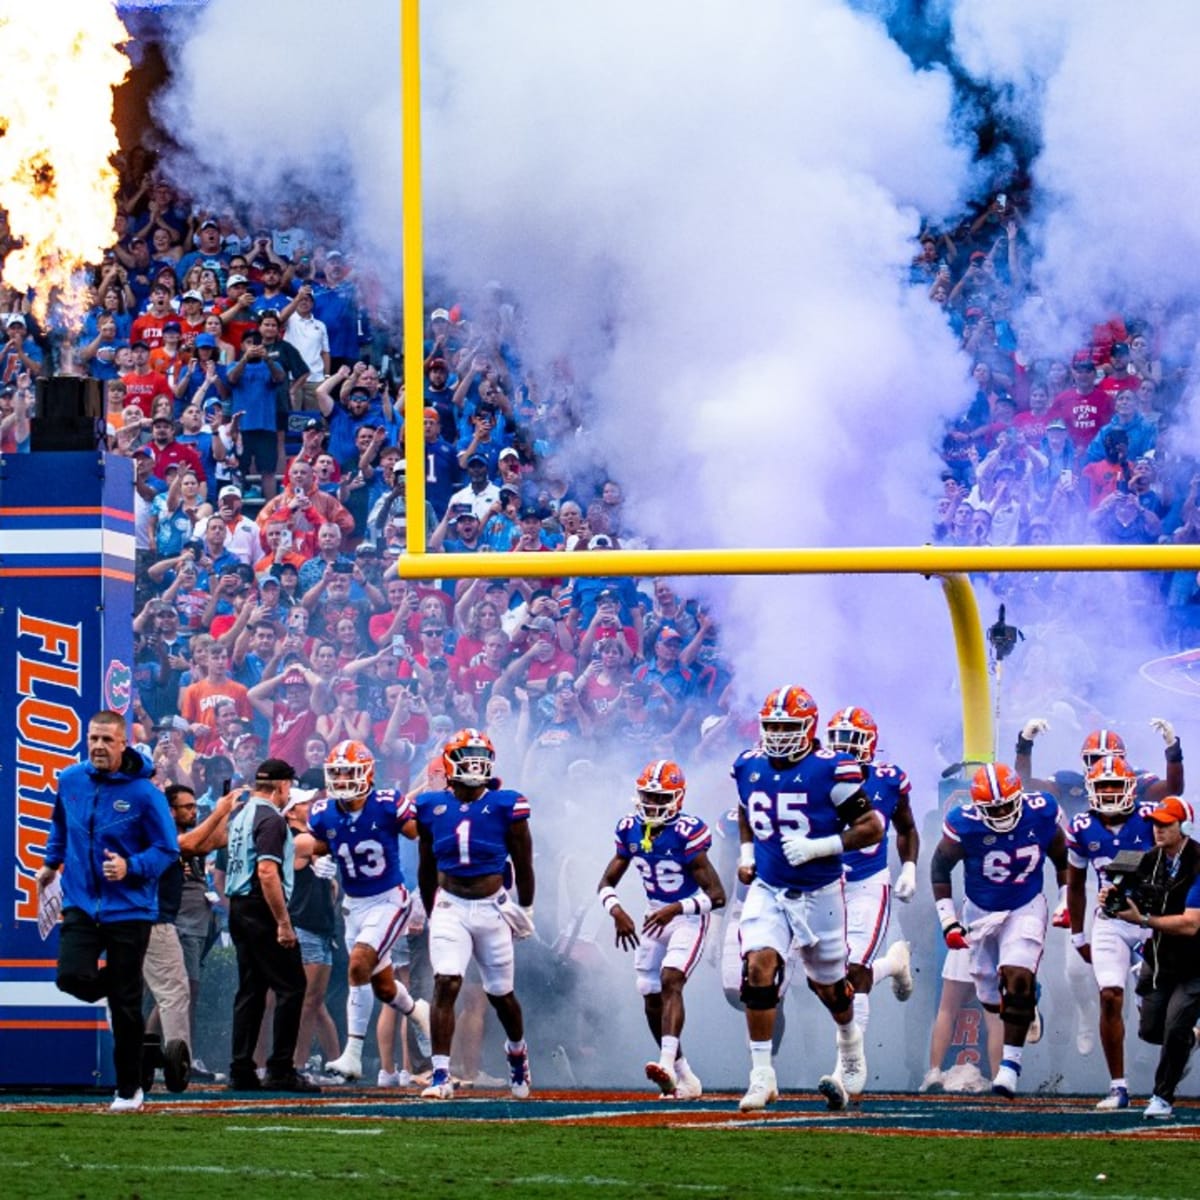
802	798
364	844
1003	871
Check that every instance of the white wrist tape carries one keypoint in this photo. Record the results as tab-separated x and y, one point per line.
693	906
609	898
746	854
946	913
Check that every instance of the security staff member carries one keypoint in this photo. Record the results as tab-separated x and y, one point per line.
1169	983
258	883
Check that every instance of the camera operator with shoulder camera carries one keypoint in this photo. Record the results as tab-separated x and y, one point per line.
1162	894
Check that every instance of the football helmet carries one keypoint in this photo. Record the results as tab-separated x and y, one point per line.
787	720
1111	784
853	731
660	789
996	793
349	771
1098	744
469	758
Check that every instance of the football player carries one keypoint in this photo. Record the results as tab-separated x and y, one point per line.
799	809
1003	838
1112	823
360	826
467	834
670	850
868	891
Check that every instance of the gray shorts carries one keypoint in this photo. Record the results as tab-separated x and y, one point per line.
315	948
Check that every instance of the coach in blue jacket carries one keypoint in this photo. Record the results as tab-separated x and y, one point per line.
113	836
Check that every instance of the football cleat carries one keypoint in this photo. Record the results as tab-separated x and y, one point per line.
1118	1097
441	1087
348	1064
689	1086
419	1016
834	1091
123	1104
1157	1109
932	1082
852	1064
1006	1080
902	976
761	1092
393	1079
996	795
349	771
519	1081
664	1077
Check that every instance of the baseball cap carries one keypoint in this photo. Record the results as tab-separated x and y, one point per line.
1120	348
15	319
529	512
274	770
600	542
162	421
138	345
542	625
439	362
333	254
345	685
173	325
1172	809
192	295
209	224
1057	423
432	414
235	279
667	632
229	489
299	795
607	594
467	515
1083	358
293	676
439	314
476	458
509	452
314	423
205	339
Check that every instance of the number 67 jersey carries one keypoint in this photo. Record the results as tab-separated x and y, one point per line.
1003	871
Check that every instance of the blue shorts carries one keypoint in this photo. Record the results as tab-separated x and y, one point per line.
315	948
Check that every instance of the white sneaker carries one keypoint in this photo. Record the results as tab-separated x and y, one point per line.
1005	1082
689	1086
1157	1109
852	1064
393	1079
761	1092
520	1082
902	976
420	1020
348	1065
1118	1097
834	1091
932	1082
441	1088
127	1103
663	1076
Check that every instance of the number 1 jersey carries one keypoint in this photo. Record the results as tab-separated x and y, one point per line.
471	839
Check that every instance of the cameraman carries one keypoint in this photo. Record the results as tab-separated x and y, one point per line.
1168	889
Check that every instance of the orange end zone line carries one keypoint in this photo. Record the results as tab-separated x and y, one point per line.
60	572
53	1024
28	962
75	511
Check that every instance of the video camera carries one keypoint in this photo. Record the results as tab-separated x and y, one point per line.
1129	884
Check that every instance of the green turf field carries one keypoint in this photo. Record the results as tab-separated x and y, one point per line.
239	1157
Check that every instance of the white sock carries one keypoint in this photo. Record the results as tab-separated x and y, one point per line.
668	1050
681	1066
1120	1083
402	1001
882	967
440	1062
514	1047
760	1055
848	1035
1013	1054
359	1003
862	1010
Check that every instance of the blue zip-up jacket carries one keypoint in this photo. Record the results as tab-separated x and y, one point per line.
120	811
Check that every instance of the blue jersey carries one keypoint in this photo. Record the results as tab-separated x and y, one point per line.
663	860
1002	871
730	835
885	786
802	798
364	844
471	839
1089	840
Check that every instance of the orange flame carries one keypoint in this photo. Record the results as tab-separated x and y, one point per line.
59	66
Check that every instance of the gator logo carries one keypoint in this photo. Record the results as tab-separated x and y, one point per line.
118	686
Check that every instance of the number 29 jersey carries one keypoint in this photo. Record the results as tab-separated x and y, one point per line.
663	861
364	844
1003	871
801	798
471	839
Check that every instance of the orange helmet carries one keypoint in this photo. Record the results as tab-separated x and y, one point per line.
787	720
1111	784
853	731
996	793
469	757
349	771
660	788
1098	744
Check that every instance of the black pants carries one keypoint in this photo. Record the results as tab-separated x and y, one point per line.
1170	1008
123	944
263	965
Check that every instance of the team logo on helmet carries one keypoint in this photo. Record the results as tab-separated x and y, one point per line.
660	789
1098	744
996	793
1111	784
469	758
853	731
349	771
787	720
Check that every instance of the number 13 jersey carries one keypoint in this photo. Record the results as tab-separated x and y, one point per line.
364	844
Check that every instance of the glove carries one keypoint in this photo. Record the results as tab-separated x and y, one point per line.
324	866
1061	920
955	936
905	887
1033	727
1164	728
798	849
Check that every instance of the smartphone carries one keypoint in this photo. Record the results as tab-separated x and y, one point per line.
285	540
1066	478
399	647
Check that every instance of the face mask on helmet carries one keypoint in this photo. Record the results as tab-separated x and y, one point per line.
349	771
853	731
1111	784
787	720
469	758
659	808
996	794
660	792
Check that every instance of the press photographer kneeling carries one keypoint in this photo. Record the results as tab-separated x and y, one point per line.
1160	891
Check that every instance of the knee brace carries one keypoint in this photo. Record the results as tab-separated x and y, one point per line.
837	997
759	998
1017	1008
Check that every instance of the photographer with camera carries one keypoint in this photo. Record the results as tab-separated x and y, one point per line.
1162	895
